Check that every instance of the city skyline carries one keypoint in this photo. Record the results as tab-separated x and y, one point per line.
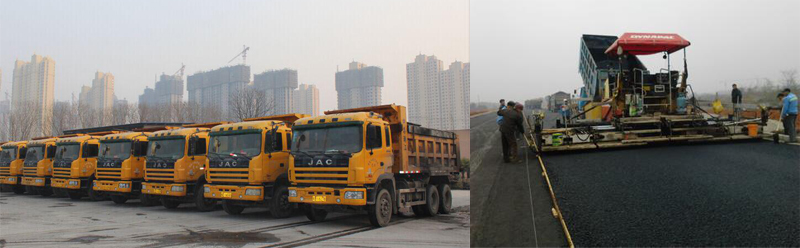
316	44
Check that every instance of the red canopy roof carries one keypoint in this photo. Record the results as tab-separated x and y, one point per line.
647	43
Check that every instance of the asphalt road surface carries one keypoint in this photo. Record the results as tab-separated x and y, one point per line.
732	194
36	221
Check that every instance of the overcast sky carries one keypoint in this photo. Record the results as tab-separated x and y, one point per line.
526	49
135	40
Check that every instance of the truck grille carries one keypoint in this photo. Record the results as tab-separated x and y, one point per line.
234	175
27	171
159	174
62	172
5	171
109	173
322	169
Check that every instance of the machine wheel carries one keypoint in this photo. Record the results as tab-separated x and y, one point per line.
380	213
314	214
46	191
118	199
203	204
169	203
445	199
231	208
279	206
418	210
147	200
94	195
431	207
31	190
75	195
19	190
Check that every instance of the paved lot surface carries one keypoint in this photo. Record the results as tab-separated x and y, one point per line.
35	221
733	194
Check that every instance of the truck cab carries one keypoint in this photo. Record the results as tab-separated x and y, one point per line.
368	159
38	165
11	160
248	164
175	166
120	166
74	165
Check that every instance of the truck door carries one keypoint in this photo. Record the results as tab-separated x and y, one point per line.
380	155
197	156
277	147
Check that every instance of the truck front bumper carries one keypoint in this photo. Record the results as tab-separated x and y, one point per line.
34	181
164	189
11	180
234	192
326	196
65	183
113	186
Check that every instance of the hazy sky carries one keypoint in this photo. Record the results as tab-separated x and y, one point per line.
135	40
526	49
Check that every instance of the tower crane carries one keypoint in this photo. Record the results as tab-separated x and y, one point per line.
180	71
243	54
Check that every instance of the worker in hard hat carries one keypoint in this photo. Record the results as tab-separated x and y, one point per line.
736	99
565	112
789	113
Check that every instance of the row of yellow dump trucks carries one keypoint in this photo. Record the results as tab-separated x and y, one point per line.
365	159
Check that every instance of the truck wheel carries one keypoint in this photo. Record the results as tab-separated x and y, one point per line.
203	204
94	195
59	192
118	199
147	200
46	191
445	199
280	207
74	195
31	190
169	203
19	190
231	208
380	214
314	214
418	210
431	207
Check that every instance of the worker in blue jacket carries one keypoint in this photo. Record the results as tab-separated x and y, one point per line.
789	113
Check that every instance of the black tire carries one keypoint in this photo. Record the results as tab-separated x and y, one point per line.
46	191
418	210
169	203
445	199
315	214
31	190
380	213
203	204
279	206
94	195
118	199
431	207
231	208
148	200
60	192
75	195
19	190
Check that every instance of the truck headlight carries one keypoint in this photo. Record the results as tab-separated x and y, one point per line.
143	186
75	183
353	195
292	193
177	188
124	185
252	192
94	184
11	179
39	181
206	189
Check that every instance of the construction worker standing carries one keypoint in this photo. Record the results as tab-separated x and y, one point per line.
789	113
736	99
512	123
565	112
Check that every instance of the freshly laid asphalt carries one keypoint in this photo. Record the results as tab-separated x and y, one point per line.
724	194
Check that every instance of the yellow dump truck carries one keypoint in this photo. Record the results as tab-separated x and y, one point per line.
175	167
11	160
74	165
248	164
371	159
38	166
120	167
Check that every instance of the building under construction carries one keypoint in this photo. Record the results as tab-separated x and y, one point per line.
168	90
359	86
213	88
279	86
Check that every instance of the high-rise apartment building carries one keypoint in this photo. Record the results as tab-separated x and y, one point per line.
100	96
359	86
32	90
278	85
438	98
212	89
306	100
168	91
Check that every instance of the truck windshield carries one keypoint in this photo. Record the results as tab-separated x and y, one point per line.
9	153
167	148
35	153
345	139
115	150
243	144
68	152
